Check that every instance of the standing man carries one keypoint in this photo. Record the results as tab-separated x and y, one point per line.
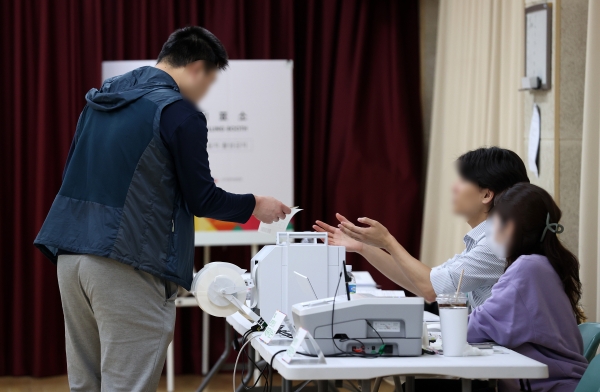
483	174
121	228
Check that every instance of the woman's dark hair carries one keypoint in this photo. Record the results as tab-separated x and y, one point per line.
494	168
193	43
528	207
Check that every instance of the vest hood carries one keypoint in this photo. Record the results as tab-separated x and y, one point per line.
120	91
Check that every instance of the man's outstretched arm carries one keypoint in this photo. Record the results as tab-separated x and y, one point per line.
204	198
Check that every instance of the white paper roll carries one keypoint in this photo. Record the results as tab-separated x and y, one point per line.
210	279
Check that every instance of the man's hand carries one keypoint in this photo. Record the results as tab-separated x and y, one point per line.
336	237
268	209
375	234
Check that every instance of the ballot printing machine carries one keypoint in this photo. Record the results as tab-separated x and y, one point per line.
365	324
392	325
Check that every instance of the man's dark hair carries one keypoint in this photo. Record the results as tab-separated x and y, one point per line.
494	168
193	43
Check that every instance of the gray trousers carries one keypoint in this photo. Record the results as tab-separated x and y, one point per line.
118	324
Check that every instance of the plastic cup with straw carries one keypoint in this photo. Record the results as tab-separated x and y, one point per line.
454	319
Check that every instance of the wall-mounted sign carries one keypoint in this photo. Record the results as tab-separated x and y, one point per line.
538	47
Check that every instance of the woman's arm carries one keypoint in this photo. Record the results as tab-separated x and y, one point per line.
375	256
503	318
415	273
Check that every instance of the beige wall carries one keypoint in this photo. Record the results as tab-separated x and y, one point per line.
476	102
428	12
561	110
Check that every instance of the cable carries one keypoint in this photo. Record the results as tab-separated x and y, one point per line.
354	354
284	332
254	328
333	311
271	369
382	348
261	374
355	340
238	358
380	338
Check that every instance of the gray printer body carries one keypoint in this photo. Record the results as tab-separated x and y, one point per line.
398	322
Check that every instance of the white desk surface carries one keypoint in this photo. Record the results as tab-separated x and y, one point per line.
498	366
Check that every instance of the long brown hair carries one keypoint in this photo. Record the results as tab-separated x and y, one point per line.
528	207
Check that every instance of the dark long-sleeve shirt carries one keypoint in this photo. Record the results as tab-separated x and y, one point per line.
184	133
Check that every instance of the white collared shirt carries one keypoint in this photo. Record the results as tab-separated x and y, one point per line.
482	269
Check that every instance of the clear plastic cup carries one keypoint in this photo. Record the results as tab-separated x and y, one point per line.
454	317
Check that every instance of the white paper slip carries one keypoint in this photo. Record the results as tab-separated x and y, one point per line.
534	141
273	327
280	226
296	343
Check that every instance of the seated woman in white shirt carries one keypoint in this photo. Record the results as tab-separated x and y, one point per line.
483	173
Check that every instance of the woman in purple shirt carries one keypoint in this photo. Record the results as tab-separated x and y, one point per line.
534	307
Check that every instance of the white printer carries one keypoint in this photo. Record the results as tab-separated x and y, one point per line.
367	324
276	286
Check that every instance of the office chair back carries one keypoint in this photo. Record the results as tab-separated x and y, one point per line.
590	332
590	382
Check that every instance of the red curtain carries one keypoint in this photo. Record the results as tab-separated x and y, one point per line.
357	129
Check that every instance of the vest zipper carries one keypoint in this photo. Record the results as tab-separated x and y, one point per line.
170	246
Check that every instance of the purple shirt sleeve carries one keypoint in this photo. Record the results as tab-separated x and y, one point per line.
529	312
504	317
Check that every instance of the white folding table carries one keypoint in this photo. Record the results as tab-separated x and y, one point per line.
364	281
510	365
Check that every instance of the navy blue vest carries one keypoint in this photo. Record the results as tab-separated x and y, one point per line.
120	197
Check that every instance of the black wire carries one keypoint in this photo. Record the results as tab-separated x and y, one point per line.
354	354
380	338
271	369
284	332
245	336
333	312
269	380
262	373
355	340
280	331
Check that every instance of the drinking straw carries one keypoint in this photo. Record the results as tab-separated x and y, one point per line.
459	283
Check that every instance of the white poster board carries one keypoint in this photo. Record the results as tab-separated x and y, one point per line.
250	138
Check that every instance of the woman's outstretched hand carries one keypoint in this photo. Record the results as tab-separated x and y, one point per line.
336	237
375	234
